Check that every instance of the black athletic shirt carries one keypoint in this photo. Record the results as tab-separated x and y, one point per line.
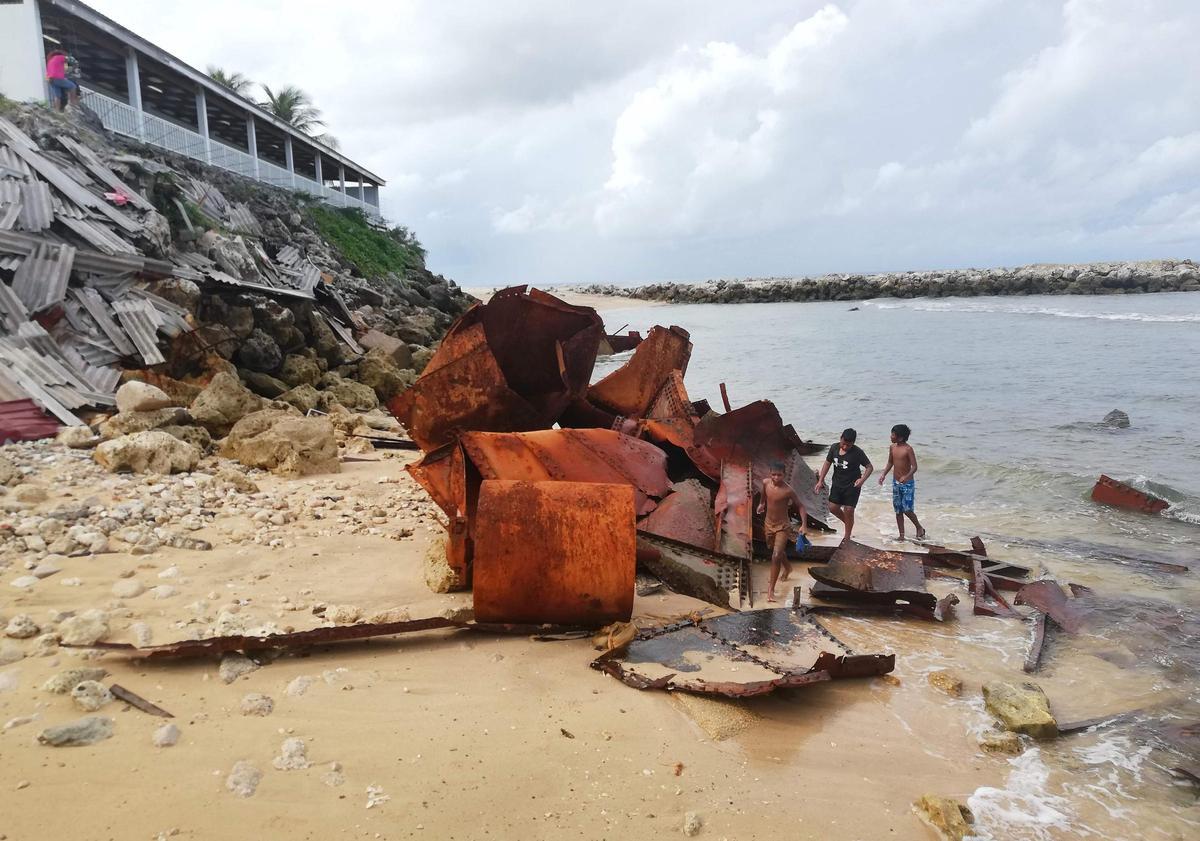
847	469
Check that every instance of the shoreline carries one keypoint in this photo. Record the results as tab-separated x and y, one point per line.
1110	278
598	302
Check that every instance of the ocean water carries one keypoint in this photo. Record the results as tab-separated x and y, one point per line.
1004	396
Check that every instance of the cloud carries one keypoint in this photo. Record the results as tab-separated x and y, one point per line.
632	141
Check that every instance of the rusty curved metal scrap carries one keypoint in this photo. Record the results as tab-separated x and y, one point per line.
513	364
573	455
554	552
630	389
739	655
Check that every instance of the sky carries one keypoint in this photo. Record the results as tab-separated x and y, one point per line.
632	141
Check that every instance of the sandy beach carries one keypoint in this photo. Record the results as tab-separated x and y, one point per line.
468	735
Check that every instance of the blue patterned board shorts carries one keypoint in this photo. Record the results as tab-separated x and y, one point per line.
904	495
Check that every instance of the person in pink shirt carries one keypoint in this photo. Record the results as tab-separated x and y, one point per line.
61	88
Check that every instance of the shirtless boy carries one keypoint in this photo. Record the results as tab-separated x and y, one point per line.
903	458
777	495
847	461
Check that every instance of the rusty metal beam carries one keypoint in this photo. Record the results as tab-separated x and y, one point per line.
1108	491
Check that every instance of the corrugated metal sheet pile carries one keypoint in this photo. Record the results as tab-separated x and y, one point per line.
74	302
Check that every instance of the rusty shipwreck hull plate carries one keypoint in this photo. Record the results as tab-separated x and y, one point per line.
630	389
739	655
1108	491
899	576
512	364
557	552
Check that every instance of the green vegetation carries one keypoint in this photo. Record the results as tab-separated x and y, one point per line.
372	251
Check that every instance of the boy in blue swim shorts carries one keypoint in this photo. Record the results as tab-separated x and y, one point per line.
903	459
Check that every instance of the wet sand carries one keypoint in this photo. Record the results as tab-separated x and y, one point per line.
464	732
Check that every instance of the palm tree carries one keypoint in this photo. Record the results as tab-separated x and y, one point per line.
239	83
294	107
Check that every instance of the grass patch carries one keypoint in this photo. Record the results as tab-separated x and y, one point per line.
373	252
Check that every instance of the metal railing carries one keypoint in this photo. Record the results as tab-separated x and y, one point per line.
122	118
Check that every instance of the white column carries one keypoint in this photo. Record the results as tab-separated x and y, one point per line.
202	122
342	182
22	52
287	156
252	141
361	184
320	174
133	81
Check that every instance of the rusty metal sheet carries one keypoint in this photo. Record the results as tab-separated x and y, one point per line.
573	455
685	515
1048	597
631	389
465	391
545	346
900	576
739	655
1108	491
733	508
513	364
440	473
562	552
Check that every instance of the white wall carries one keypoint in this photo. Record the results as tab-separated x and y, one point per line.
22	56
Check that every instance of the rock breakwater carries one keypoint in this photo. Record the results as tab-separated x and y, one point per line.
1125	277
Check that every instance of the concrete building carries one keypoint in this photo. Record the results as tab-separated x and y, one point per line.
143	92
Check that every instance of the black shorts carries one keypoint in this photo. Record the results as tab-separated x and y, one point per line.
847	496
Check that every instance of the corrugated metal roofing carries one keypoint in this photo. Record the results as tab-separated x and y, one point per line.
37	210
41	281
22	420
12	311
141	320
101	172
99	311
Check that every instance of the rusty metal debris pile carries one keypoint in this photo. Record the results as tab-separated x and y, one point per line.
504	412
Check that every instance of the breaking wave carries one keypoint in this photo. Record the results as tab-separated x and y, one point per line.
1023	808
959	305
